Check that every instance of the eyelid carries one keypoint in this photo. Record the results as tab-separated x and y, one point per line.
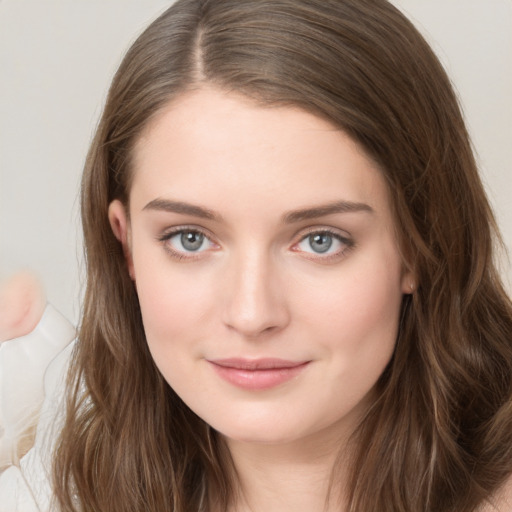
311	230
342	236
168	233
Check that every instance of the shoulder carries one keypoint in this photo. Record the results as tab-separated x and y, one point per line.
501	500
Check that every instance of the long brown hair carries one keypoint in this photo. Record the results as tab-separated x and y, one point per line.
439	436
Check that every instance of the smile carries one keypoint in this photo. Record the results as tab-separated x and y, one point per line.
257	374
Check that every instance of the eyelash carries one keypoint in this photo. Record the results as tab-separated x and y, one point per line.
347	243
176	254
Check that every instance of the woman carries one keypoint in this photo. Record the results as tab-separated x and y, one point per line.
291	300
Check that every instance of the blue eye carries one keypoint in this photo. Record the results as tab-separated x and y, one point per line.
191	241
187	241
323	243
320	242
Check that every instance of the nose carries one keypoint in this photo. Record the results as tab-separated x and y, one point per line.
256	301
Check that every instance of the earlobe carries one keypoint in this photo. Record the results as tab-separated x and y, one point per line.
408	282
119	223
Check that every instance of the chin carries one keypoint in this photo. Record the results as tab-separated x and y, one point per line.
267	432
264	438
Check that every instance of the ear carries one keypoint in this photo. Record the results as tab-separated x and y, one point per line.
408	282
120	225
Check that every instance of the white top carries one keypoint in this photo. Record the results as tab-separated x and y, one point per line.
32	383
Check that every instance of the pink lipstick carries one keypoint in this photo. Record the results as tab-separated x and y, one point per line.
257	374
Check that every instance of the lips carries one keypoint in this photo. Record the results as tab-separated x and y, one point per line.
257	374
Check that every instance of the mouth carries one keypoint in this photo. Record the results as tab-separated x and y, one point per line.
257	374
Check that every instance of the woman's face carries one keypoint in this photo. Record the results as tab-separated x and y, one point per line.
261	243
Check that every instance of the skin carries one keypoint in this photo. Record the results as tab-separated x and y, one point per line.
258	286
22	302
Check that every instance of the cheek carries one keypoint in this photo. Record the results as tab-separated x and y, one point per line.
355	318
171	304
172	296
172	311
355	324
367	294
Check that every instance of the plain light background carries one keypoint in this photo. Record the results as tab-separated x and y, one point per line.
57	58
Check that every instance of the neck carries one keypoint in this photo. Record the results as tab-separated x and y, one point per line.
294	476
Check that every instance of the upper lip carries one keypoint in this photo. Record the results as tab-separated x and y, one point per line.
267	363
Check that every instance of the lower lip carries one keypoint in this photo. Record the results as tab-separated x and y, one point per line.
257	379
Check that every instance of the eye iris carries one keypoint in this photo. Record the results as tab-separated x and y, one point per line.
320	242
191	241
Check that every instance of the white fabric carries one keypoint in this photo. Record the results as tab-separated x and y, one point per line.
32	383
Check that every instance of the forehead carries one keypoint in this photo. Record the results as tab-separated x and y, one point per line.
209	145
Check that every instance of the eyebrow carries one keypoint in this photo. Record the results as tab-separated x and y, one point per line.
180	207
168	205
326	209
